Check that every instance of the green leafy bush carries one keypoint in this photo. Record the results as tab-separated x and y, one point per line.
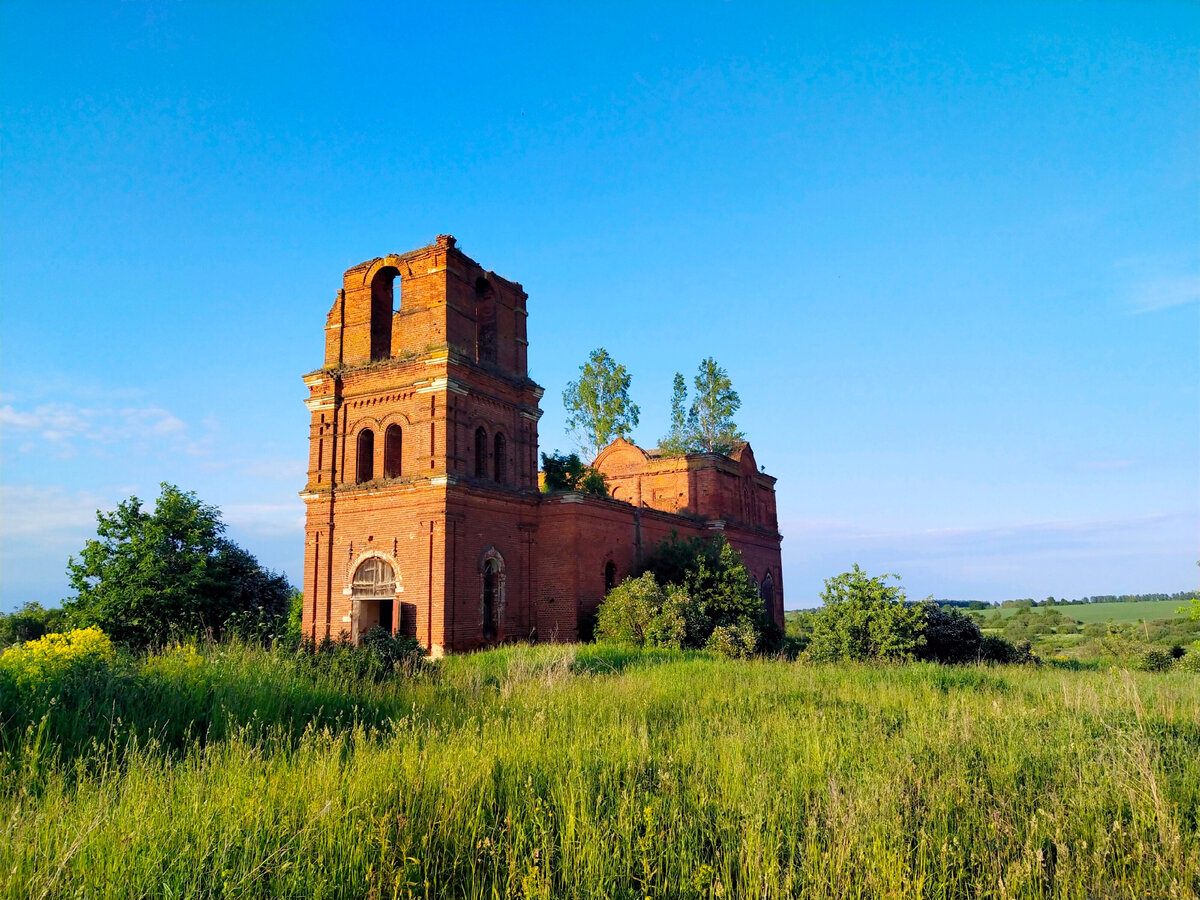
1189	662
1154	659
865	618
951	636
641	612
733	641
996	649
378	656
568	473
392	652
690	588
28	623
712	575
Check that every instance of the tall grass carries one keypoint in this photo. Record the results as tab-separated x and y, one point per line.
588	772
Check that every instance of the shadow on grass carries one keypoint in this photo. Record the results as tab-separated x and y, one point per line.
182	699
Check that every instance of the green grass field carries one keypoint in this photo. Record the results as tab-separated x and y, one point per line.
1142	610
562	771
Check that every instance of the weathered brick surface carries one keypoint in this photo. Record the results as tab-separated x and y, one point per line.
430	343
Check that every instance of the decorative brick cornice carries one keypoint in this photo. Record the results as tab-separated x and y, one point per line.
444	383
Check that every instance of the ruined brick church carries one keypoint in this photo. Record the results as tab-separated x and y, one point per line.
424	514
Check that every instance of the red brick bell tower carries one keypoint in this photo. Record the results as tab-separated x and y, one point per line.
422	496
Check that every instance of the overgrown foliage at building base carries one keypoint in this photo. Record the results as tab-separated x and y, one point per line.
694	594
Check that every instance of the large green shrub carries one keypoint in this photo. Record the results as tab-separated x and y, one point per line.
865	618
951	636
641	612
1154	659
392	652
690	588
152	577
1189	662
717	583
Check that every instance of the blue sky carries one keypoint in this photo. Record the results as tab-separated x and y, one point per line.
949	254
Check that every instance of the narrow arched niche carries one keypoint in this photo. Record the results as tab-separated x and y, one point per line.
481	449
767	592
499	455
492	599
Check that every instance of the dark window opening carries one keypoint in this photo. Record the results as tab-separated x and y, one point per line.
393	445
610	576
490	573
498	458
366	456
480	453
767	592
381	312
485	321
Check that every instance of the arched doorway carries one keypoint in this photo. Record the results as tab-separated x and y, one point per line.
373	591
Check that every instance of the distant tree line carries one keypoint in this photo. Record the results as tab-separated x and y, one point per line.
1030	603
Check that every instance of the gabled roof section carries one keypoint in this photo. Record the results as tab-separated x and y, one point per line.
744	457
620	453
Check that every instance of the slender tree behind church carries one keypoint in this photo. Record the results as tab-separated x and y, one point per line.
706	426
598	406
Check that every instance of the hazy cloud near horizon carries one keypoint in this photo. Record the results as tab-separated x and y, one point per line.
1002	562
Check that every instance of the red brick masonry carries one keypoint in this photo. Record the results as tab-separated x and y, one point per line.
423	508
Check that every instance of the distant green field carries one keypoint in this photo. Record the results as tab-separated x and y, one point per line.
1147	610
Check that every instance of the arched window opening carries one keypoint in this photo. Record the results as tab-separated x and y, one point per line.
610	576
366	456
485	321
498	458
374	591
493	578
767	592
393	445
381	312
480	452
